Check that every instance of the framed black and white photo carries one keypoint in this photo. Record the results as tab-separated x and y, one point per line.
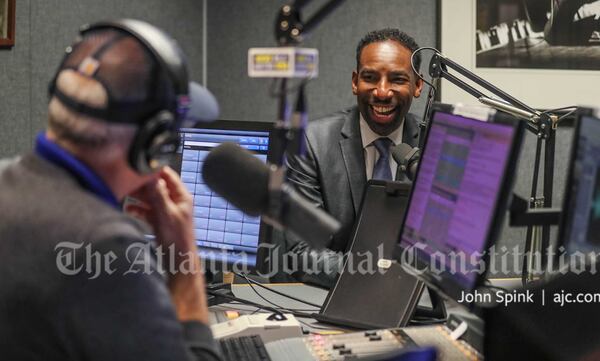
7	23
538	34
544	52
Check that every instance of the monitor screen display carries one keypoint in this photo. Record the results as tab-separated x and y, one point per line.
223	232
582	202
455	198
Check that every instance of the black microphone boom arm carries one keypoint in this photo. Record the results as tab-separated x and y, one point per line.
538	122
542	124
290	29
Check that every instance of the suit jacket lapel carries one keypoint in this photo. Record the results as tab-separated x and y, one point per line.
410	134
353	155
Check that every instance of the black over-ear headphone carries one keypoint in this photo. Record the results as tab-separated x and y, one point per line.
157	138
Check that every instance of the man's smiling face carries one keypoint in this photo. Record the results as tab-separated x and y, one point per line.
385	85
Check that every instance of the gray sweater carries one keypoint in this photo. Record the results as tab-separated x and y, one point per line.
75	283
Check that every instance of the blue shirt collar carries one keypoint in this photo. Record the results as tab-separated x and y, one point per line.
53	153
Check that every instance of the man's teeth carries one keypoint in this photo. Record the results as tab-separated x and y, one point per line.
382	109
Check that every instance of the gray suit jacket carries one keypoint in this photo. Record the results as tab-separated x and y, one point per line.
333	174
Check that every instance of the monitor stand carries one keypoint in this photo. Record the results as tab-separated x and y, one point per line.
437	310
216	286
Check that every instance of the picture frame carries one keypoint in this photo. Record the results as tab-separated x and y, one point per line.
538	88
7	23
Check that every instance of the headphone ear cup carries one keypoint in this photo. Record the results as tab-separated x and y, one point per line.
154	144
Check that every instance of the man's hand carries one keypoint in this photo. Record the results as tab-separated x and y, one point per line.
167	206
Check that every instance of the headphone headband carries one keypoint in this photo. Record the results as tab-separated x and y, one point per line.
156	138
165	49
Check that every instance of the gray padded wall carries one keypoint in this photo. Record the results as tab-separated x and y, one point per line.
46	27
512	237
15	90
235	25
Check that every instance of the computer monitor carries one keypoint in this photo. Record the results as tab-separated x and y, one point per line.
580	221
224	235
459	197
558	325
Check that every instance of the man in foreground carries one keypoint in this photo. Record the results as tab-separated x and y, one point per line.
79	279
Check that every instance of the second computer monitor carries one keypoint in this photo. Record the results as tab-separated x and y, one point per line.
459	198
580	226
224	234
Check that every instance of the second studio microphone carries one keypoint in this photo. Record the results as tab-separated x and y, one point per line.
245	181
407	158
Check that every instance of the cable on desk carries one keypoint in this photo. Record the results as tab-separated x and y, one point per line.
275	291
249	281
257	305
242	301
257	293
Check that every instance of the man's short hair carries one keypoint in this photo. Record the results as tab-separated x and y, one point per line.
126	71
389	34
82	130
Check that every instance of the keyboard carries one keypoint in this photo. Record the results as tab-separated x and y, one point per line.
244	348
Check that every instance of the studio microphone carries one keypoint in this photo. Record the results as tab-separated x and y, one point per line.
407	158
253	187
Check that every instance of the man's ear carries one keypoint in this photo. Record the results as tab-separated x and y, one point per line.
418	88
354	82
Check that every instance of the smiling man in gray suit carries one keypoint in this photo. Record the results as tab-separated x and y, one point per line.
346	149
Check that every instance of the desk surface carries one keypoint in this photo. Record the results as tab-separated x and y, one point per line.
311	294
304	292
317	296
422	334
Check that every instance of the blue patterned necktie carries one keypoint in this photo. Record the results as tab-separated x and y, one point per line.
382	167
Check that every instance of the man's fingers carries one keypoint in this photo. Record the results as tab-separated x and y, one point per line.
160	196
176	188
